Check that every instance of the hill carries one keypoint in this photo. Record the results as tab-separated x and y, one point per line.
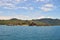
35	22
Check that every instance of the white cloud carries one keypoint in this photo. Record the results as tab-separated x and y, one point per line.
10	4
31	8
26	8
39	0
23	8
7	4
44	17
42	0
25	0
23	17
5	17
3	2
48	7
18	0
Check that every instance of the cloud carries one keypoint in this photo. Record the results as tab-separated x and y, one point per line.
31	8
10	3
23	8
42	0
22	17
5	17
18	0
25	0
44	17
47	7
4	2
7	4
26	8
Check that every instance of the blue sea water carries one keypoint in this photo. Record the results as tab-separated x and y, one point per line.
29	32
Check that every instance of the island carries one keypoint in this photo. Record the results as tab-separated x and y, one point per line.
33	22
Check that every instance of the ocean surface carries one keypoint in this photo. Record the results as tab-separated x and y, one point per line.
29	32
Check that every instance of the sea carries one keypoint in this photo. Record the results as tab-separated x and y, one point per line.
29	32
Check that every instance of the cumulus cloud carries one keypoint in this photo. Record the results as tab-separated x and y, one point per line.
7	4
47	7
10	4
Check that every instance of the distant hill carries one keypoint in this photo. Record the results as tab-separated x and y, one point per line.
49	21
35	22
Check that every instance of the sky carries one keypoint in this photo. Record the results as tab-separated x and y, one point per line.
29	9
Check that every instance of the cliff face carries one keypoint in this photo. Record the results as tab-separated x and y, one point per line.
36	22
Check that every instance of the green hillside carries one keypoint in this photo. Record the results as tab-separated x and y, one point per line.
35	22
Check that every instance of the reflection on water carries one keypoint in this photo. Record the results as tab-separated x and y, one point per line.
29	33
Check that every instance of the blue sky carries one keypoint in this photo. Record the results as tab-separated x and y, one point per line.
29	9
